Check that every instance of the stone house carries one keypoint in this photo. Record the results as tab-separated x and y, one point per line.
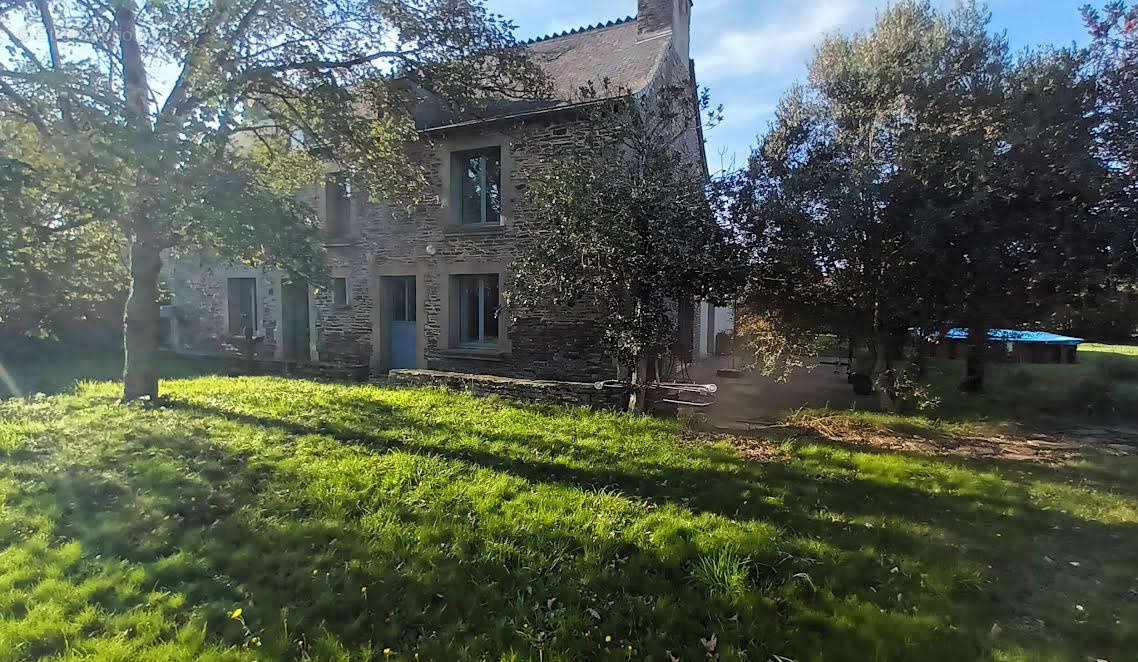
423	290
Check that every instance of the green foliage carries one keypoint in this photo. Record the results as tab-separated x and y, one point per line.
1101	387
486	530
180	172
627	227
53	280
922	178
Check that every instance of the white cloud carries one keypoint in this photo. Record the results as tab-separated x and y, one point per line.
776	43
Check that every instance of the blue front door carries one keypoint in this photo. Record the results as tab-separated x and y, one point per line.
403	329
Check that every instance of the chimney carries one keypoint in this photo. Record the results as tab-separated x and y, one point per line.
656	18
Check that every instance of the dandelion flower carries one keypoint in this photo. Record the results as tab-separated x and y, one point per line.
363	589
235	614
608	638
387	651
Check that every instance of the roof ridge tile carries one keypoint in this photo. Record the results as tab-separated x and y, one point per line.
567	33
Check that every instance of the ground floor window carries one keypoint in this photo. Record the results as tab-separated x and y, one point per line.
242	304
474	308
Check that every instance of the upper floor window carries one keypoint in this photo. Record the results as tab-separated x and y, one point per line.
338	204
340	291
479	190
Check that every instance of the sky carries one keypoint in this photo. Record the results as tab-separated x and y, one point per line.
748	52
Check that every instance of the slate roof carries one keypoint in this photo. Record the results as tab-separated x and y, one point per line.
571	59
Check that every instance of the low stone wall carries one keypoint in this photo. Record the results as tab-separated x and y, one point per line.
239	365
529	390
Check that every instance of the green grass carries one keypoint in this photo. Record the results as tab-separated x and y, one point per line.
1101	389
344	521
1102	386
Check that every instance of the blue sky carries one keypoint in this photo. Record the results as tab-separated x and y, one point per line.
749	51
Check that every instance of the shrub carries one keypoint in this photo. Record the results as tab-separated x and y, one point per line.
1092	396
1020	377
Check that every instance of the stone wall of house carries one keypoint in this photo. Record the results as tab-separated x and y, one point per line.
199	288
526	390
428	244
343	332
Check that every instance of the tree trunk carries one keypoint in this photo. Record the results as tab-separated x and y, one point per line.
884	380
639	396
140	321
974	363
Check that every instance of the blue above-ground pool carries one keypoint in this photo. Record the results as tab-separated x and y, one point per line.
1025	346
1008	335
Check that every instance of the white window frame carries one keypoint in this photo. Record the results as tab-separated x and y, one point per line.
458	166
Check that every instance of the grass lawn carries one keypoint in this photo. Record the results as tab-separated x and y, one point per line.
355	522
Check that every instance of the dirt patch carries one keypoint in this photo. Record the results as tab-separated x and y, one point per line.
758	450
1008	443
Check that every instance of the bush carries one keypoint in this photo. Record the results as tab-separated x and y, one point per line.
1093	396
1020	377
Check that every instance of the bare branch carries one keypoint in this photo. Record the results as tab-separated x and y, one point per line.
56	61
28	53
321	65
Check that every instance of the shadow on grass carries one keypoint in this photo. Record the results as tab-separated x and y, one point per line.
1006	532
56	369
471	541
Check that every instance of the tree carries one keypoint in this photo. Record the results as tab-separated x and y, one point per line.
924	180
627	224
1023	222
50	283
184	112
834	201
1113	56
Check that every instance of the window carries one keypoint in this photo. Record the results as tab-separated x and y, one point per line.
242	304
479	186
402	298
340	291
474	308
338	204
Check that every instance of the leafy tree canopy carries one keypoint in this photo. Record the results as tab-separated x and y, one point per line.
627	222
922	178
182	114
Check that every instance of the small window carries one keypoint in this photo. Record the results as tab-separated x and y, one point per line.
403	300
479	186
242	305
338	204
475	307
340	291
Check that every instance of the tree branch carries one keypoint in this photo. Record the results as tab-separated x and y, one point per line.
319	65
28	53
134	68
29	110
56	61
